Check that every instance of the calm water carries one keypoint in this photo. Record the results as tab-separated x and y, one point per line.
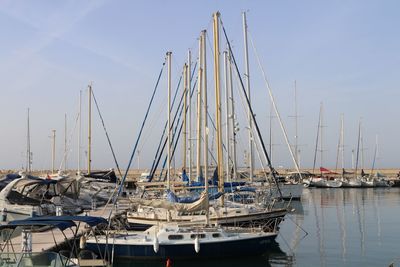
345	227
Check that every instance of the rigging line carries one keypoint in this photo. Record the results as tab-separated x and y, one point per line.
276	109
252	133
165	126
180	110
152	124
316	143
140	133
251	112
158	154
108	137
69	143
179	134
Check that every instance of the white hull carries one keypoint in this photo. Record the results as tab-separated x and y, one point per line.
289	191
328	183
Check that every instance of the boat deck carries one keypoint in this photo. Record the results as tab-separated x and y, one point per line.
51	239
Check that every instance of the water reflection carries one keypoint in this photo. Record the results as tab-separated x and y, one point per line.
347	227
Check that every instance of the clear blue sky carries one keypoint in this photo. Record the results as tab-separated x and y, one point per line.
344	53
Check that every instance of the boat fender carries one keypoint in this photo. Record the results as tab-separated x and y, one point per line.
82	242
4	215
156	245
197	244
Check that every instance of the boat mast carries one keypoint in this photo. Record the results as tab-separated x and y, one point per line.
189	73
169	121
232	116
227	128
375	155
218	104
79	132
65	141
342	135
247	77
28	167
185	77
296	137
340	147
321	143
362	150
270	130
203	78
89	128
53	150
198	139
316	141
358	148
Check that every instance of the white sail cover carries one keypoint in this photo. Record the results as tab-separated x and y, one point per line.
199	205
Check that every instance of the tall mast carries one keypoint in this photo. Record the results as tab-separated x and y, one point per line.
28	167
270	130
53	149
232	116
296	137
247	77
362	149
185	89
89	128
205	110
79	132
338	150
169	121
358	148
65	141
321	141
375	155
342	135
218	103
227	128
316	141
189	73
204	84
198	138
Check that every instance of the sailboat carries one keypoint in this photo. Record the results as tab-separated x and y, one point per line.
177	242
191	239
322	181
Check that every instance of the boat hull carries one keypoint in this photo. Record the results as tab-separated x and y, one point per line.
247	247
328	184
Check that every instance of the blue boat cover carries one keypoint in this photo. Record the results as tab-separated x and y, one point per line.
185	178
90	220
171	197
62	225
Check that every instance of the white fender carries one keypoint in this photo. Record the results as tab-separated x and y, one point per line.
82	242
156	245
197	244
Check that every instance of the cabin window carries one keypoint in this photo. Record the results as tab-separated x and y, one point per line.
199	235
216	235
238	211
175	237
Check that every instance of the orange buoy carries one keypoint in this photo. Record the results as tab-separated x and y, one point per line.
169	263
